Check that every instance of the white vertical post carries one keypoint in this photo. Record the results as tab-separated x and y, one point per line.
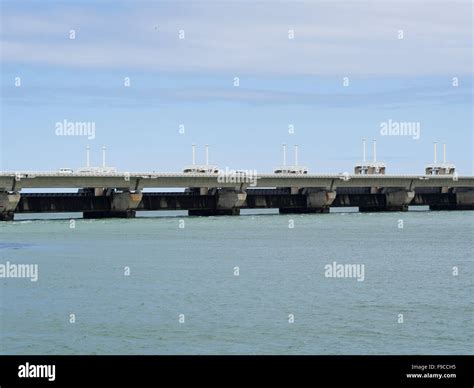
103	157
444	153
296	155
375	151
363	152
194	154
284	155
88	156
435	158
207	154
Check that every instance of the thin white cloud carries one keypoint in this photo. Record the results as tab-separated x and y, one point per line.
343	38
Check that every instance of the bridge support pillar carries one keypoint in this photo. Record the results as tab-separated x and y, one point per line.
317	201
8	204
228	203
464	201
396	200
122	205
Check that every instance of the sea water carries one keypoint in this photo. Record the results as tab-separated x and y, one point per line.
249	284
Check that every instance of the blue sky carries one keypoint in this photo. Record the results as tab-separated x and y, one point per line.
190	81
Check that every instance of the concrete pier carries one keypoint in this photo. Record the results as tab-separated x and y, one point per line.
459	199
317	201
120	204
393	199
227	203
206	205
8	204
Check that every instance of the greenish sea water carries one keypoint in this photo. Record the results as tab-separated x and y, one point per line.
188	271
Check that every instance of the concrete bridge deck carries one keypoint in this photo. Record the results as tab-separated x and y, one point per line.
134	181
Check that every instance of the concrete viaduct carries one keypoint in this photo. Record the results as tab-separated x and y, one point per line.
121	194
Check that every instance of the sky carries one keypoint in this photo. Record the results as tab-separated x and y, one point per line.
320	74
